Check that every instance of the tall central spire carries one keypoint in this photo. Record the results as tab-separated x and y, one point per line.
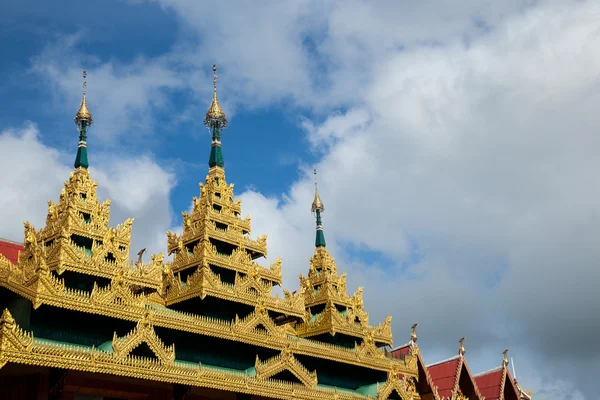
215	121
317	208
83	120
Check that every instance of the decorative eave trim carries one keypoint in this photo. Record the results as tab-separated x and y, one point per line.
17	346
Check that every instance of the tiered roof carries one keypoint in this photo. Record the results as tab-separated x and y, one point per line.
207	319
452	379
330	311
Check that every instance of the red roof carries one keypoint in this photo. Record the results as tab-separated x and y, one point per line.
10	250
401	352
445	375
490	383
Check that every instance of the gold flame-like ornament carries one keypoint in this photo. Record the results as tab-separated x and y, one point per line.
461	347
215	114
413	334
84	113
504	358
317	203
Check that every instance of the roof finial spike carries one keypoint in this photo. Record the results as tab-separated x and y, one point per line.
215	117
504	359
215	77
413	334
83	115
317	204
461	347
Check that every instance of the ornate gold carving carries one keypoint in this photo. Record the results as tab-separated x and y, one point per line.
404	386
343	313
248	290
459	395
461	347
285	361
21	348
259	318
12	337
215	113
77	237
143	333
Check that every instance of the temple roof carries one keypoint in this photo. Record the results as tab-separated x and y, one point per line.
496	384
10	249
445	375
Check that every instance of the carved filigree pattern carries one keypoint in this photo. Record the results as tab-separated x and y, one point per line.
143	333
282	362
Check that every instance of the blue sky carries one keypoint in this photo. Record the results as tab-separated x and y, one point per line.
456	148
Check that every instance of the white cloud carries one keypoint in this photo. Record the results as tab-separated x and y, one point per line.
485	155
470	131
34	173
122	97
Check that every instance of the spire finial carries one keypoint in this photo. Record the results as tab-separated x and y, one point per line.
215	121
215	117
504	359
83	115
83	119
461	347
317	203
317	208
215	77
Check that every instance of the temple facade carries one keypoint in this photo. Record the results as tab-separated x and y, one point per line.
80	320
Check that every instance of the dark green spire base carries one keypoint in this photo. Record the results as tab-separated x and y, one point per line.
81	161
216	154
320	239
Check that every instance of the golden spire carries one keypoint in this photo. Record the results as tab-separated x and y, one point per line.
461	347
83	115
215	117
505	358
317	203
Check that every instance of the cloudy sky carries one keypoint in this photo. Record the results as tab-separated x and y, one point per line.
456	142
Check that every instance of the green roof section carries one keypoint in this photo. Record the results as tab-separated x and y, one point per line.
216	153
106	347
320	238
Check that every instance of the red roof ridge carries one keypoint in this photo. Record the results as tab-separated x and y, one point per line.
443	361
401	347
428	377
477	392
10	241
489	371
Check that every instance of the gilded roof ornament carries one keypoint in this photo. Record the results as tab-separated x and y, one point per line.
317	203
84	114
413	334
505	358
215	117
461	347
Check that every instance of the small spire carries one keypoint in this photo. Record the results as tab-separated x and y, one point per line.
84	114
215	115
461	347
83	119
413	334
215	121
504	359
317	208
